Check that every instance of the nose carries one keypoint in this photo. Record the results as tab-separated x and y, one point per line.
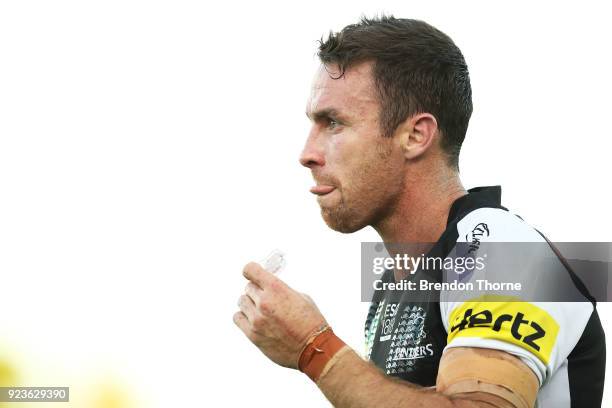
312	155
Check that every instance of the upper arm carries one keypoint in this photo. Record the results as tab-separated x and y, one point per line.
489	376
534	334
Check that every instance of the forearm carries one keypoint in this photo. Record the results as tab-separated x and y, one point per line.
355	383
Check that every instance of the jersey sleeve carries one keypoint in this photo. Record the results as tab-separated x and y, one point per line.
541	333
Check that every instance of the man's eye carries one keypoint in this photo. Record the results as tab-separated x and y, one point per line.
332	123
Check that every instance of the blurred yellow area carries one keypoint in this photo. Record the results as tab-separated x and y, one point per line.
8	377
97	393
8	374
109	395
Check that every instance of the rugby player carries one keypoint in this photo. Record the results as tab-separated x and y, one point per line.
389	107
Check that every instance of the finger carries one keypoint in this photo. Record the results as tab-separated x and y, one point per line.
247	307
256	274
254	292
242	322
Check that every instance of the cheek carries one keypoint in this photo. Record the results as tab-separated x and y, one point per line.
361	169
373	175
382	172
341	158
337	147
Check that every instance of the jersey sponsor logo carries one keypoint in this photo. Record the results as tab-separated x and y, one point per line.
407	339
479	232
519	323
388	321
410	353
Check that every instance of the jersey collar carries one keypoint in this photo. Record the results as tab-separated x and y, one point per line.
477	197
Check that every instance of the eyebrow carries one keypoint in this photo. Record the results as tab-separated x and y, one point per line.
329	113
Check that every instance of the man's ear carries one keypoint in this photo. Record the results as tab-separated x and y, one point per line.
416	134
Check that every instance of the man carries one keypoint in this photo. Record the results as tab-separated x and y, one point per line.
390	108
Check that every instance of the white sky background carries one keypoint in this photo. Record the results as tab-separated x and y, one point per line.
148	150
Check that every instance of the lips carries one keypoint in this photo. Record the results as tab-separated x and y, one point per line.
322	189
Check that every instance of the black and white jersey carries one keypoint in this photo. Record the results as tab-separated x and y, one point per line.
562	342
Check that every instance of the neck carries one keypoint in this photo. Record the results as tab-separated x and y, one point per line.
421	212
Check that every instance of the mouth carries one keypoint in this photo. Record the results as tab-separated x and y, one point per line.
322	190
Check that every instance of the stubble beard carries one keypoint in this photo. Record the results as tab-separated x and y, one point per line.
366	201
341	218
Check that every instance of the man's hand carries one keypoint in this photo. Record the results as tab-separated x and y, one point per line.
276	318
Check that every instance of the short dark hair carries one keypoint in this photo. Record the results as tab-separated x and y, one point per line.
416	68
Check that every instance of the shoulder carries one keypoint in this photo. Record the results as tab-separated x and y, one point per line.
495	225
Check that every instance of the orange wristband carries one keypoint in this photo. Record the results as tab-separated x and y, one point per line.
317	353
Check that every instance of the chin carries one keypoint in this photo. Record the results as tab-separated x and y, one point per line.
341	221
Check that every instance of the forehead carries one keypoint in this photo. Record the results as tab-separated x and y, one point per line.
353	91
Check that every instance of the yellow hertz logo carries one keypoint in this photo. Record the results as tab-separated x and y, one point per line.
519	323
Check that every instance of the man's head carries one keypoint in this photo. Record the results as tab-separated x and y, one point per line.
390	93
